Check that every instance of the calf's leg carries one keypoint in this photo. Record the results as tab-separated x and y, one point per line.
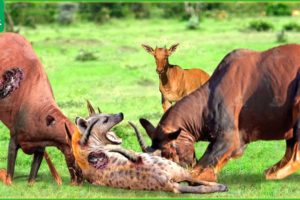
165	103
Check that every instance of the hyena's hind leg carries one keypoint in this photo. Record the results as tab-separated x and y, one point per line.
200	189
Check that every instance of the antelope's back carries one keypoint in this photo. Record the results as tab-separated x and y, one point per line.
16	53
263	85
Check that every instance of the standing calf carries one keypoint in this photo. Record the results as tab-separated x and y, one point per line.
103	162
28	109
174	82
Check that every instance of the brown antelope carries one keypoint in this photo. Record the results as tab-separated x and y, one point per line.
103	161
174	82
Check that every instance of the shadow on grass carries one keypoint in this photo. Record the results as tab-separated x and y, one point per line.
253	178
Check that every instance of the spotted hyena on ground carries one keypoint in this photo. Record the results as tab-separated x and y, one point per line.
104	162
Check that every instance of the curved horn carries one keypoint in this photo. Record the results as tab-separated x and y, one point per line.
140	138
68	132
90	108
87	133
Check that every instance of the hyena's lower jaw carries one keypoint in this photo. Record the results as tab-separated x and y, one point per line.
98	159
112	137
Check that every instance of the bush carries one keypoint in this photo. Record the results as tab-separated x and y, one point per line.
85	55
141	10
278	10
193	22
293	26
281	37
67	13
260	26
30	14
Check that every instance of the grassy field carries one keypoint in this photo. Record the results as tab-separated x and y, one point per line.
123	79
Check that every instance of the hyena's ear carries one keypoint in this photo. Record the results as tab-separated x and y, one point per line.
90	108
148	49
172	48
81	124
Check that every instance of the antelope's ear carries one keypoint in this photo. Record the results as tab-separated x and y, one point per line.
174	135
148	49
81	124
172	48
90	108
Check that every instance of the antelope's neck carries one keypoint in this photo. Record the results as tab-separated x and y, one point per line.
168	76
189	113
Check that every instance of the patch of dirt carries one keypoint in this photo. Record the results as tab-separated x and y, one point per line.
127	49
145	82
70	104
69	41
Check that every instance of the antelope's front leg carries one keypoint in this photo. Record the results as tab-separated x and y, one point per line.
165	103
216	156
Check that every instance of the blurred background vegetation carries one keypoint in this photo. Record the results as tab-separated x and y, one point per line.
32	14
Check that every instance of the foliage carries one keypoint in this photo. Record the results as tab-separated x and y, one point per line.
260	25
30	14
193	22
292	26
67	12
85	55
278	9
281	37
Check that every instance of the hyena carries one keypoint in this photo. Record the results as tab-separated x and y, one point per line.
103	161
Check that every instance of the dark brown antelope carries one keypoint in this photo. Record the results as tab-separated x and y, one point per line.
174	82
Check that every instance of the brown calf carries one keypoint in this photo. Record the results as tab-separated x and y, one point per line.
174	82
28	108
251	96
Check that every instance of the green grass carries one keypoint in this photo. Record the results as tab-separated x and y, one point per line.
123	79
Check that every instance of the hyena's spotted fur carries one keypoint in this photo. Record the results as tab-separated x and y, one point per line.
104	162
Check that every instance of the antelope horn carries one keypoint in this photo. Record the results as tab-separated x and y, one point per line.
99	111
87	133
90	108
68	132
140	138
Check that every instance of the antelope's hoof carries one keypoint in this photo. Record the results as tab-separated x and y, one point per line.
206	174
8	180
31	182
3	175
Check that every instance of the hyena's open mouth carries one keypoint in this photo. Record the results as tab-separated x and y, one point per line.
98	159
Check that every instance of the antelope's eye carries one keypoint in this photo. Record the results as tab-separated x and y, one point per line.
105	120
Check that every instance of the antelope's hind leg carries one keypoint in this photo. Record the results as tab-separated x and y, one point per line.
290	162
